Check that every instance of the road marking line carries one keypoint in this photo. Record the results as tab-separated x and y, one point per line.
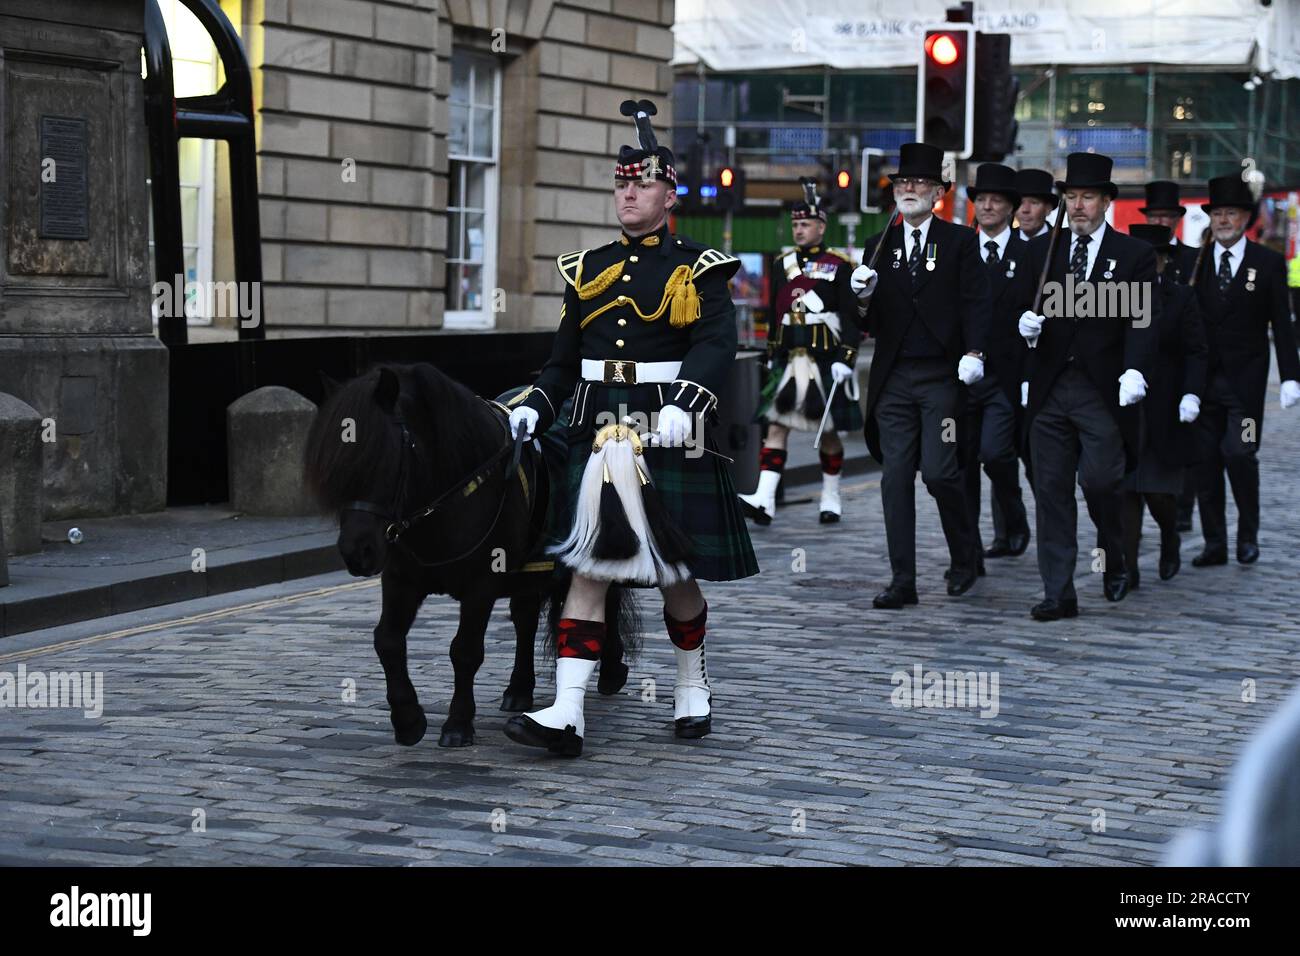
191	619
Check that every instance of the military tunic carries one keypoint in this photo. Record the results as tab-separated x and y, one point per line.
656	298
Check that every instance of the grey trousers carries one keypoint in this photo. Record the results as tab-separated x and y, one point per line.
917	413
996	417
1221	425
1075	434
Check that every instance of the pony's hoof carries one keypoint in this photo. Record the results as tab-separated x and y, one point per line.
517	701
455	736
408	733
612	678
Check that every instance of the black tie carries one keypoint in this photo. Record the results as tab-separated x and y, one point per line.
1079	261
1225	272
914	259
992	247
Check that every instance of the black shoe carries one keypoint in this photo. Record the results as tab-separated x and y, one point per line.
1050	610
692	728
1210	557
1247	552
522	729
1019	541
1170	558
979	570
1115	584
1000	548
961	580
757	515
894	597
828	517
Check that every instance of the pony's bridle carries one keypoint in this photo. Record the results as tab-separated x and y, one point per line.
398	525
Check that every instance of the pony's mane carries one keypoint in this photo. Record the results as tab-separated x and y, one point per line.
453	430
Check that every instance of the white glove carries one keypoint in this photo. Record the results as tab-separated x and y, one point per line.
1031	326
812	302
1189	408
1024	394
1290	393
863	281
526	415
1132	387
841	372
674	426
970	369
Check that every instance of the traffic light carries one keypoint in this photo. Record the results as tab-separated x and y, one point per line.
945	89
996	91
731	189
875	194
843	195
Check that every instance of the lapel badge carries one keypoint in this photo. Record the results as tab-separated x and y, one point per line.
898	256
1110	269
1250	279
1011	268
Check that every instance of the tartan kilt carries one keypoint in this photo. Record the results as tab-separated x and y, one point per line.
846	413
697	492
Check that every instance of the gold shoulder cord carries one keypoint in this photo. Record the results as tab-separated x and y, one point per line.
679	294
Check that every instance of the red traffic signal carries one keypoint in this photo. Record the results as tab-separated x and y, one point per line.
844	179
731	189
942	48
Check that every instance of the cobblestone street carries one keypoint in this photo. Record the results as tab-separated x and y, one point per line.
1112	732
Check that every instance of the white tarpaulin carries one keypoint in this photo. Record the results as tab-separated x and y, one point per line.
744	35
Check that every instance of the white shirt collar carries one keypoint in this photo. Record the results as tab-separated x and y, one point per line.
1002	239
1238	251
908	229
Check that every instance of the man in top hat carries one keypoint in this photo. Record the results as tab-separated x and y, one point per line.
812	347
930	317
1037	200
647	333
995	399
1163	208
1086	373
1242	293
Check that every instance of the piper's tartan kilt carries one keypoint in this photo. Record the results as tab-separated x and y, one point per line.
697	492
846	413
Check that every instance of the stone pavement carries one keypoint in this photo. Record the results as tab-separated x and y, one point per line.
1112	732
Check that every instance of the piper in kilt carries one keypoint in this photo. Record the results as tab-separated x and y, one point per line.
812	345
646	342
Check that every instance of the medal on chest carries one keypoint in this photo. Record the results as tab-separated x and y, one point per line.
898	258
931	253
1250	279
1110	269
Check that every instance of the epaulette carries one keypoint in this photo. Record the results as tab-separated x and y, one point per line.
570	263
710	258
838	254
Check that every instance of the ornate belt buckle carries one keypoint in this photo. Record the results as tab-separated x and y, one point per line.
619	372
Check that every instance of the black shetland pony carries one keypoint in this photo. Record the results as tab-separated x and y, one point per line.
421	473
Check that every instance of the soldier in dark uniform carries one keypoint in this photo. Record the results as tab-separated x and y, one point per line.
812	346
1037	200
647	333
1242	294
1163	208
995	399
1177	382
1084	376
930	316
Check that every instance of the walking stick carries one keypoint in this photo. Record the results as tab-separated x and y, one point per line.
1051	254
1200	256
826	414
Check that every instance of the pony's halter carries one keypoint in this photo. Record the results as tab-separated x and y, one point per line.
394	511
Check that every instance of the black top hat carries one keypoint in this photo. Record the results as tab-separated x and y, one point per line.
650	161
1036	183
920	161
995	178
1230	191
810	207
1162	237
1162	196
1088	171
